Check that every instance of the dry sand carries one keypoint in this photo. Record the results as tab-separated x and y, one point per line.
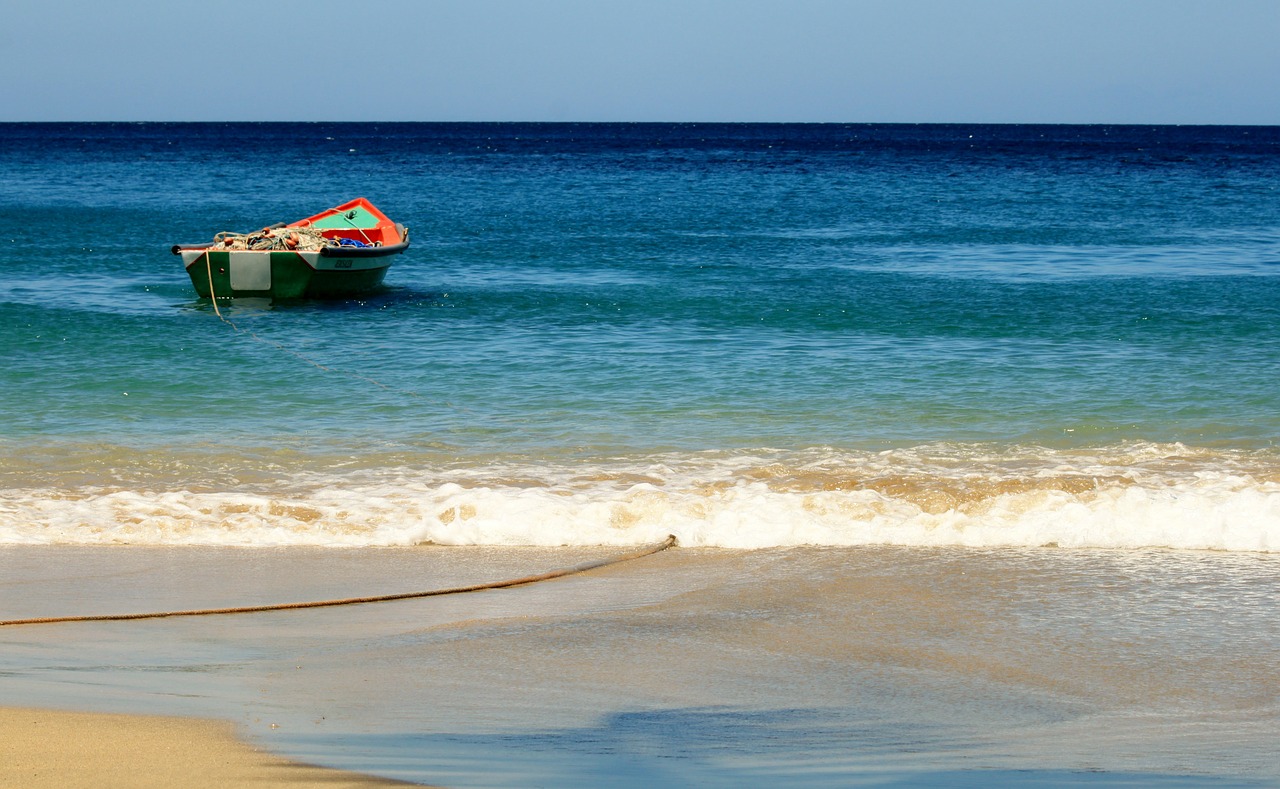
43	749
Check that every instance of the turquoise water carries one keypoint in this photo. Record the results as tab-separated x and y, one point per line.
746	307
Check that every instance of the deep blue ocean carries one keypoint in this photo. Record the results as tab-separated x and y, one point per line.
615	331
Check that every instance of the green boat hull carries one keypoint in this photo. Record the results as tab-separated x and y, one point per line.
282	274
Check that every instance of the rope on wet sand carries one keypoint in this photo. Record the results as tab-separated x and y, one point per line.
250	609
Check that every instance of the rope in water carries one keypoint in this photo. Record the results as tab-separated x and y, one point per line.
250	609
213	296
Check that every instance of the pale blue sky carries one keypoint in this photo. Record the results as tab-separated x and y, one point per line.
1051	61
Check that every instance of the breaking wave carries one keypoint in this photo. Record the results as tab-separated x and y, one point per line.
1131	496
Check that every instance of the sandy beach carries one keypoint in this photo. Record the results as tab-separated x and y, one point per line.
58	750
805	667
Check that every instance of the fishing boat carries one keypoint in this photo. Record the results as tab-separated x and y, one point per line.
342	251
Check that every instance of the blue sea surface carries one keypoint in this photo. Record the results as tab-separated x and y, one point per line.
636	287
618	299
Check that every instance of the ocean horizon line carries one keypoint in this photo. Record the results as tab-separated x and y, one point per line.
491	122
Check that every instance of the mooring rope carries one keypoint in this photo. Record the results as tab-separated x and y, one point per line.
208	267
357	227
213	296
251	609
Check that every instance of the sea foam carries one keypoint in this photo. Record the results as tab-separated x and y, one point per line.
1143	496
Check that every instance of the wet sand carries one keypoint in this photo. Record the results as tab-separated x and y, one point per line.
45	749
799	667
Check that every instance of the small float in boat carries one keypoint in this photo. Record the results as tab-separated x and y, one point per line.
343	251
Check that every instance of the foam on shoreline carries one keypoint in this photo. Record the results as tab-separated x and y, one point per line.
1132	497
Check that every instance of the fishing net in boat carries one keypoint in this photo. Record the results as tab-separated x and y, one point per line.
302	239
